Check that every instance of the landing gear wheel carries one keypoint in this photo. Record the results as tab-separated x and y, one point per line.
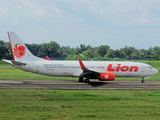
87	80
143	81
81	79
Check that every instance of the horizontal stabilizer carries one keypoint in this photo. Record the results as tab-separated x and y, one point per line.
18	63
8	61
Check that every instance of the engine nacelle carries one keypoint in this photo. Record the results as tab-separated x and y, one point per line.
107	77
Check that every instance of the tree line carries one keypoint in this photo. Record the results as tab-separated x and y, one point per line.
86	52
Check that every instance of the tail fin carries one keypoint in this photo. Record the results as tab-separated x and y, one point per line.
19	50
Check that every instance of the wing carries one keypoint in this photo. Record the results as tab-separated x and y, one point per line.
93	74
87	72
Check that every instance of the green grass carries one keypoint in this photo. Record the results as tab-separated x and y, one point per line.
76	105
79	105
154	78
4	64
154	64
17	74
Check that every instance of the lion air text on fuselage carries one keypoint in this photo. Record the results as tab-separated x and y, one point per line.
122	68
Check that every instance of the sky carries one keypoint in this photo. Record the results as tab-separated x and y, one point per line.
117	23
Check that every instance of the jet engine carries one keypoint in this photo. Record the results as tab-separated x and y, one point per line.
107	77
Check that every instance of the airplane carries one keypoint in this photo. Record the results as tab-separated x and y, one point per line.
101	70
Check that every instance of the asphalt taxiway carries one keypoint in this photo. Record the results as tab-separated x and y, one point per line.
75	85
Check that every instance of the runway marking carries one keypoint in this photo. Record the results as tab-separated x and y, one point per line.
10	82
58	83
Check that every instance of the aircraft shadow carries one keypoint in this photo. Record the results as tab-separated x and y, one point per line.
98	84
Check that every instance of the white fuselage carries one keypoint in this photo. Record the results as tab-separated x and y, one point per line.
104	71
73	69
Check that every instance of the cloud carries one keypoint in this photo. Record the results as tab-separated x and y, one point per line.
143	20
93	22
32	5
28	3
19	7
1	2
118	12
39	11
17	22
4	11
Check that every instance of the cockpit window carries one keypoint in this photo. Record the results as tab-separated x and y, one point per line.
150	67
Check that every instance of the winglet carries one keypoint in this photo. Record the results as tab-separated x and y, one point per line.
81	64
47	58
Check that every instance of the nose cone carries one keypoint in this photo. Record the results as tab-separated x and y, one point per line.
155	71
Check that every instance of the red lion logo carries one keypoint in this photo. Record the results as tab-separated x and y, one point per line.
19	51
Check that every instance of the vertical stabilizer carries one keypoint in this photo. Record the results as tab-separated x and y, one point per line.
19	50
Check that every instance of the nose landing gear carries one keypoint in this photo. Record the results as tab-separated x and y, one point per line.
142	81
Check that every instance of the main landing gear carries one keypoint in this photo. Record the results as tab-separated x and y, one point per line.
87	80
142	81
82	80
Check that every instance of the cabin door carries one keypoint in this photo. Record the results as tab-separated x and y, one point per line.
143	69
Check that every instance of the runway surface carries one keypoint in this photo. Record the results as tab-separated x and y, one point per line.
75	85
